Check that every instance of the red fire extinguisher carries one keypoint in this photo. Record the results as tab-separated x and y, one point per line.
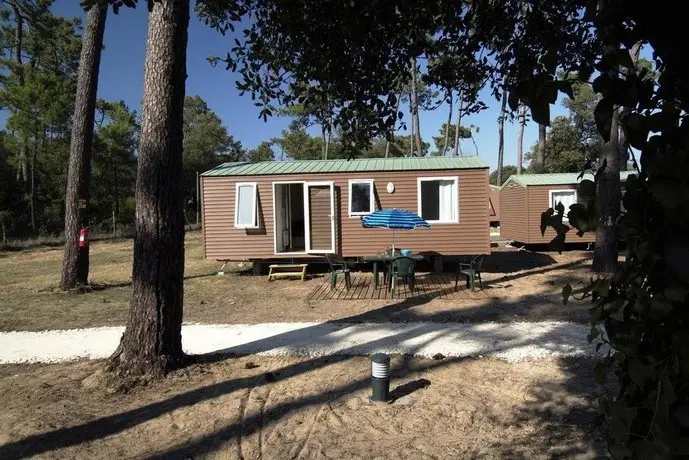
83	237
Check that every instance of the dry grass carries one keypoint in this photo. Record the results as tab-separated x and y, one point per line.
259	407
262	407
520	285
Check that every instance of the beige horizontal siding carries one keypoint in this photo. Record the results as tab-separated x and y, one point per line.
539	197
514	219
469	236
319	222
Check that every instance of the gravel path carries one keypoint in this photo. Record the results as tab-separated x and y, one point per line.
509	341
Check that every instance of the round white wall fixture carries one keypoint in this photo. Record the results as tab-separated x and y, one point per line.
391	187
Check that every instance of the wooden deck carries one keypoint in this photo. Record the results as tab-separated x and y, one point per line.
428	285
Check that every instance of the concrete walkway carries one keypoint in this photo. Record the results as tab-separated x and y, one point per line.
509	341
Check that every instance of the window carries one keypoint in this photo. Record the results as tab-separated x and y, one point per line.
438	199
361	197
566	197
246	205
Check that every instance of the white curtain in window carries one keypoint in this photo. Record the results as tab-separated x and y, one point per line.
246	205
567	198
447	193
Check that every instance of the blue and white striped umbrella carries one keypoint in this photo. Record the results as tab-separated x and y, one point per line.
394	219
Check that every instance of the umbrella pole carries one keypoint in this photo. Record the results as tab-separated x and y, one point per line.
393	242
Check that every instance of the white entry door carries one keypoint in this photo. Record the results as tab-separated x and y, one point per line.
319	204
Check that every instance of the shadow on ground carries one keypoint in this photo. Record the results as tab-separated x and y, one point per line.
556	413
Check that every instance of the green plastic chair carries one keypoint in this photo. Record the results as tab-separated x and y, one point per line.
338	266
471	271
402	268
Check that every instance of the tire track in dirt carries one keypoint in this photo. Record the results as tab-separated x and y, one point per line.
310	431
244	409
319	412
242	412
263	434
259	393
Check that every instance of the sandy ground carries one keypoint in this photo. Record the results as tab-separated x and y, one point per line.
511	341
299	407
521	286
260	407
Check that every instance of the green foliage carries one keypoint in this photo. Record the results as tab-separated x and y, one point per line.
38	93
206	144
507	171
113	174
299	145
581	113
439	140
264	152
282	57
565	151
640	311
400	146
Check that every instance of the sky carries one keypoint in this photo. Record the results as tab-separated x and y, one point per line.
122	69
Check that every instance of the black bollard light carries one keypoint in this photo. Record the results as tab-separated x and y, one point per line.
380	378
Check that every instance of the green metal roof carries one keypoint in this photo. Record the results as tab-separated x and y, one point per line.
338	166
555	178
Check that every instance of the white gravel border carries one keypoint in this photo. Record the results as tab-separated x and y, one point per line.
512	342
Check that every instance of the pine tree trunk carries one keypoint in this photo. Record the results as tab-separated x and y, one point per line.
413	129
23	171
75	262
117	192
415	114
449	124
458	148
473	140
608	201
624	111
32	190
152	341
540	149
520	138
325	143
501	137
392	134
18	44
605	254
417	138
623	144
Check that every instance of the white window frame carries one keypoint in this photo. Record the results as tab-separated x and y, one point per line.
307	217
454	179
565	219
254	205
275	230
372	204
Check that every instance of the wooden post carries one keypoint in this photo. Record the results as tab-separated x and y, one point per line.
198	202
438	264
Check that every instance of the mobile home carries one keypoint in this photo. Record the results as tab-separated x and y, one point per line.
524	197
302	209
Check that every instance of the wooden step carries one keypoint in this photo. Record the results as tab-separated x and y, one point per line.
276	271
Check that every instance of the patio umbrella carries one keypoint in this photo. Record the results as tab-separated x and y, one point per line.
394	219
